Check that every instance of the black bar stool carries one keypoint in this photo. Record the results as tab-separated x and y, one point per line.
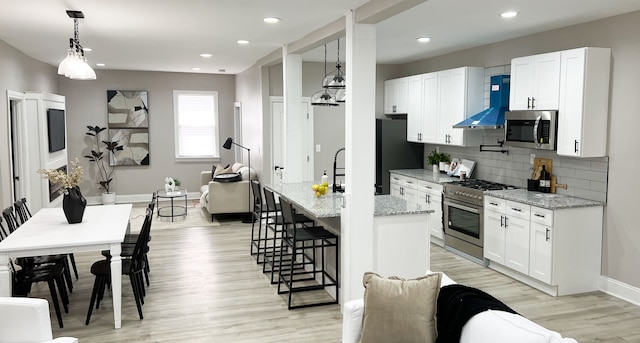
314	277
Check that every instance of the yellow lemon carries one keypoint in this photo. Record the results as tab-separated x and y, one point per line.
318	194
325	184
324	190
315	188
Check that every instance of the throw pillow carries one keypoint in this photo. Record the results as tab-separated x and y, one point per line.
400	310
213	171
222	170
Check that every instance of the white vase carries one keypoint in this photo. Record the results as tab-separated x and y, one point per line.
436	169
109	198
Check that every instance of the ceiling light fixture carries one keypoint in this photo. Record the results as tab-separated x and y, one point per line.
324	97
271	20
336	79
75	66
423	39
100	64
206	55
508	14
195	68
243	41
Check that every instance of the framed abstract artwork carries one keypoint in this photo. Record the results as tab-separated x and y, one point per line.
127	109
135	144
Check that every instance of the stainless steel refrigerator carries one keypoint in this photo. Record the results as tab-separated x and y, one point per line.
394	152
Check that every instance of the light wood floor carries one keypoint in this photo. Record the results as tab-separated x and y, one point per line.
206	288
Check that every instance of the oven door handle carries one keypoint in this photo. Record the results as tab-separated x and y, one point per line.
462	207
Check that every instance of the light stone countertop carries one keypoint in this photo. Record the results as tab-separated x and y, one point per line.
329	205
544	200
425	175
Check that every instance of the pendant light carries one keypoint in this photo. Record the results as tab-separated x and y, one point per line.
324	97
336	79
75	65
341	95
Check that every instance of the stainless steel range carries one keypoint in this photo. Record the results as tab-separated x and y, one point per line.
463	205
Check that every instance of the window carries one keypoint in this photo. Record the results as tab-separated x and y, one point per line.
196	124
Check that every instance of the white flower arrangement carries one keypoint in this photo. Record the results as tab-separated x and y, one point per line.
67	181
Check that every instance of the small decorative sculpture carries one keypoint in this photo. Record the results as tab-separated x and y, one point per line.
169	184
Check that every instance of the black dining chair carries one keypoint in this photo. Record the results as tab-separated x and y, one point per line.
52	274
35	261
133	267
23	214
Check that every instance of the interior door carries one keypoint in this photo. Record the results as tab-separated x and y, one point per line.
18	166
278	139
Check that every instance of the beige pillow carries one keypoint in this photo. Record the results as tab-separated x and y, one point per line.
400	310
222	170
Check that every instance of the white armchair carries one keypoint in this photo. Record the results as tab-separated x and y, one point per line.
26	320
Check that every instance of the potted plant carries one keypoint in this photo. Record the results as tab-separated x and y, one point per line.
445	162
105	171
434	160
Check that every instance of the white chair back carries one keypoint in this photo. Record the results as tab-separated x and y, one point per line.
27	320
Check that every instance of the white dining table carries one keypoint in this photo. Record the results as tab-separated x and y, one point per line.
48	233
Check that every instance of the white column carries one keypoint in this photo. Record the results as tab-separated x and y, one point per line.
357	215
294	118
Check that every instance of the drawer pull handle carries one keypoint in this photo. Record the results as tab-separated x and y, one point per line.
516	209
539	215
547	235
501	221
493	203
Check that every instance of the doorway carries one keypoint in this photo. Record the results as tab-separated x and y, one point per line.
17	147
237	130
279	158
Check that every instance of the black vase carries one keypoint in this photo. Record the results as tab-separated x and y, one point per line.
73	205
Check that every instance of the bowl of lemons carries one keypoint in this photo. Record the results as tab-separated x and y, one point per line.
321	189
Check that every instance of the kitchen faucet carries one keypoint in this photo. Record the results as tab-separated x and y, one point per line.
336	187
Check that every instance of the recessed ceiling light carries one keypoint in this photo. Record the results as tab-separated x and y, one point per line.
100	64
423	39
222	70
243	41
271	20
87	49
205	55
195	68
508	14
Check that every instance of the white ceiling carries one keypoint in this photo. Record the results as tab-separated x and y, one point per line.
169	35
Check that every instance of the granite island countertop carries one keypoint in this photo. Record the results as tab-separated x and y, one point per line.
329	205
425	175
544	200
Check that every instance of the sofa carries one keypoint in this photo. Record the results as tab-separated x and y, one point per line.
490	326
27	320
221	197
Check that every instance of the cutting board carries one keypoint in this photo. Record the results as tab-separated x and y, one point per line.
537	166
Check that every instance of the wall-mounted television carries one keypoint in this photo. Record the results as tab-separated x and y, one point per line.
56	129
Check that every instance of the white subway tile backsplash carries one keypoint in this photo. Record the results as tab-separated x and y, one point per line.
597	196
563	171
575	163
591	175
599	166
575	183
598	186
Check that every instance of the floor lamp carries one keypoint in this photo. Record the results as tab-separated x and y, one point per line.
227	145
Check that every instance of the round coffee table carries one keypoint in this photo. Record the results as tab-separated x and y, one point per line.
173	209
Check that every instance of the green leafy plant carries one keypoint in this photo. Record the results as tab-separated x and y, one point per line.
98	156
433	157
445	157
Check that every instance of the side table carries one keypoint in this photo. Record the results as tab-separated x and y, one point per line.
173	209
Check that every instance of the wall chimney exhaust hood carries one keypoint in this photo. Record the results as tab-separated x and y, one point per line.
492	117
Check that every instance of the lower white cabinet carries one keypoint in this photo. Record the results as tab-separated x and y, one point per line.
506	239
556	251
403	187
430	195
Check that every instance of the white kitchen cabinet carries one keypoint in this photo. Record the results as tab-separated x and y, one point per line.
395	95
506	238
403	187
414	109
563	247
584	102
535	82
460	95
430	195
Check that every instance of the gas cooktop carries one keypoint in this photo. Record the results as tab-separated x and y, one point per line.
481	185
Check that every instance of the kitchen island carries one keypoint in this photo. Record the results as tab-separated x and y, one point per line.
400	231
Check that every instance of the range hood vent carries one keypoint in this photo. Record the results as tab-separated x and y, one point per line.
492	117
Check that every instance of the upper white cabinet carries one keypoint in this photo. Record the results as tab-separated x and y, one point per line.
535	82
584	102
459	96
438	100
395	95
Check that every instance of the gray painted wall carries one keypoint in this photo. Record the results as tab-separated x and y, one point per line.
86	105
19	73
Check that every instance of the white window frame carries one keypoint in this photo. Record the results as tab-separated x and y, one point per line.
176	115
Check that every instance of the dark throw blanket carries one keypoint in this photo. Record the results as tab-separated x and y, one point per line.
456	305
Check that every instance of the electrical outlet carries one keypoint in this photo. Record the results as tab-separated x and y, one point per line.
318	149
533	157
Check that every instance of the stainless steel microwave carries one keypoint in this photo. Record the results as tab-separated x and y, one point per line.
531	129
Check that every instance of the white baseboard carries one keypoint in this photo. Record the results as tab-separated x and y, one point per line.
135	198
620	290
